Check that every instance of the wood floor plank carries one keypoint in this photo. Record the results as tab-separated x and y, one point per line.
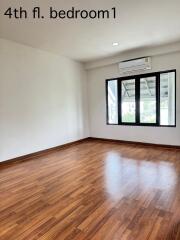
94	190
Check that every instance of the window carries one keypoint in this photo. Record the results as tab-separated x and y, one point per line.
167	98
143	100
148	100
112	102
128	101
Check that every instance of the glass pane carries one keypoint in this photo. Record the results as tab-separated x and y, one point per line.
167	94
148	100
112	102
128	101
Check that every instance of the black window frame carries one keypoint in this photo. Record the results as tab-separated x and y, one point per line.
137	99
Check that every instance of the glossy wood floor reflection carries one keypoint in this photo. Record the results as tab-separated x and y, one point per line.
94	190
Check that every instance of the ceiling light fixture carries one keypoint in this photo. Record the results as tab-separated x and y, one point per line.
115	44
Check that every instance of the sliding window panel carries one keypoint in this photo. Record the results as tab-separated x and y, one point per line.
128	102
148	100
112	101
167	99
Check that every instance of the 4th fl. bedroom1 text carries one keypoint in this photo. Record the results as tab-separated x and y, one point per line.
73	13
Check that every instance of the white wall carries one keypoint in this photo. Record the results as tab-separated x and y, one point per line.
42	100
97	106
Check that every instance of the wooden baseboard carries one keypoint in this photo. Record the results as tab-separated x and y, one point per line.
54	149
135	143
40	153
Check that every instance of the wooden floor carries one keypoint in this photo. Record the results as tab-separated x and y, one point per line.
94	190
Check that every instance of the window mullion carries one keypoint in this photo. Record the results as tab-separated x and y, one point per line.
158	99
137	97
119	102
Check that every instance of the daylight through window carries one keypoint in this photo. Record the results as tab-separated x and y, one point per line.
147	100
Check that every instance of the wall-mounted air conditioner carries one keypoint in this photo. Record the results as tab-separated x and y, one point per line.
140	64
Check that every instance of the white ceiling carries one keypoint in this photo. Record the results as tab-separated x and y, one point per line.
139	23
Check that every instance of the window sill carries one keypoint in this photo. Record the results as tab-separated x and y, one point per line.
141	125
